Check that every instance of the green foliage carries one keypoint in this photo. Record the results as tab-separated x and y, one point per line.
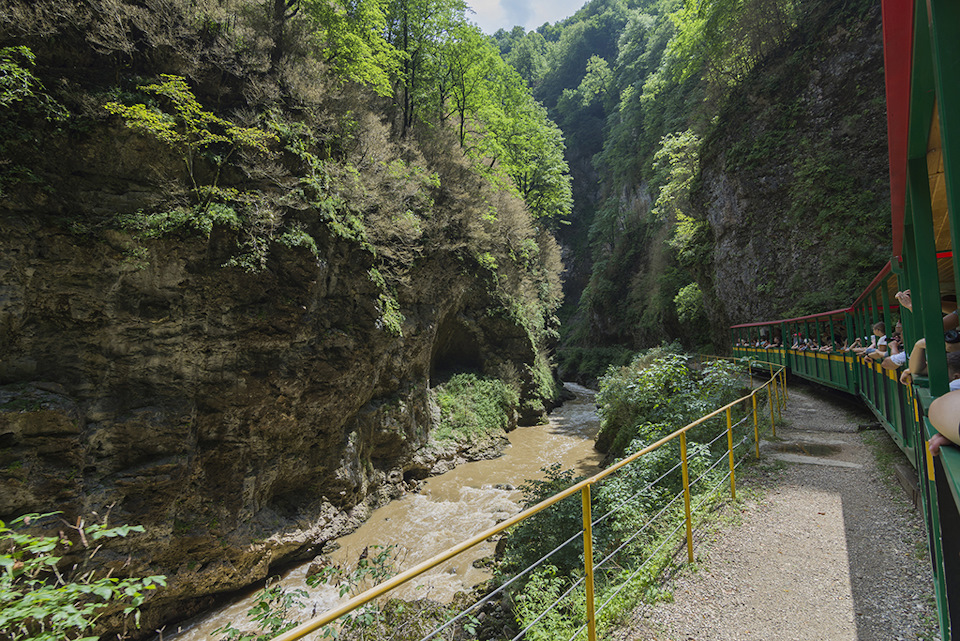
530	150
534	537
190	131
41	600
500	126
390	317
276	609
689	302
297	236
472	407
350	35
590	363
23	102
544	587
725	38
180	220
376	564
17	82
657	394
527	56
638	503
676	163
273	613
317	188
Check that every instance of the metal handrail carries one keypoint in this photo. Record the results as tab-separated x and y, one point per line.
583	487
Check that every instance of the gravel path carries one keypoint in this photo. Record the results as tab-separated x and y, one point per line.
823	544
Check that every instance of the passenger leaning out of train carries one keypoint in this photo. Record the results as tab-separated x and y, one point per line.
948	305
897	356
944	411
917	364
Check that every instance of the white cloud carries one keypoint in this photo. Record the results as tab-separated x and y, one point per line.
491	15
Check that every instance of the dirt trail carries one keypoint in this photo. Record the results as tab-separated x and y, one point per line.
823	544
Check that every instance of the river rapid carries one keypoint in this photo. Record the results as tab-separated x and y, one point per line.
450	508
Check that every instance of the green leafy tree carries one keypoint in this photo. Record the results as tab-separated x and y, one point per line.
689	302
24	102
190	131
350	36
417	28
17	82
677	162
597	82
472	61
528	57
42	600
725	38
532	155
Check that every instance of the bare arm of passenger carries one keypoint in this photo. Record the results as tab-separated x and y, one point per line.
951	321
945	417
918	358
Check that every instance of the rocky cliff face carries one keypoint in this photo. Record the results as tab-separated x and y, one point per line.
795	181
245	416
241	418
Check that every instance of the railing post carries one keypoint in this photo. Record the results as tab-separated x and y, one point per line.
781	396
588	564
733	481
756	424
773	423
686	494
773	387
786	395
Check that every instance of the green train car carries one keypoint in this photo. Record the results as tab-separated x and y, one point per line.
922	69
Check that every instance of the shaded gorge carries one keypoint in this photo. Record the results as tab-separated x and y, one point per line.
450	508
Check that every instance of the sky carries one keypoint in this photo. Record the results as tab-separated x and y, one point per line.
530	14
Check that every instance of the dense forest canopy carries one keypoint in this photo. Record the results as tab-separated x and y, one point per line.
425	56
639	90
254	249
661	99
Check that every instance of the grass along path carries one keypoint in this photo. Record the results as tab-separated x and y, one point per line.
821	545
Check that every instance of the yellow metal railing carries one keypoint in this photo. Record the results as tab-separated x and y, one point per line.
776	395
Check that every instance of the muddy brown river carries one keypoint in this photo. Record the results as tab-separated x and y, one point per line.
451	507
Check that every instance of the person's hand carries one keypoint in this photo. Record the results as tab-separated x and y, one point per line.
904	299
905	377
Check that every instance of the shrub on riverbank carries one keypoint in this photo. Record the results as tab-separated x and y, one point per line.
658	392
636	512
472	407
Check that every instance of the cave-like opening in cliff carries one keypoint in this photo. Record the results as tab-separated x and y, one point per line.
455	349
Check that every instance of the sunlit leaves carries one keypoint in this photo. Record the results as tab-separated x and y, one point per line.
39	602
189	130
723	39
676	163
350	35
